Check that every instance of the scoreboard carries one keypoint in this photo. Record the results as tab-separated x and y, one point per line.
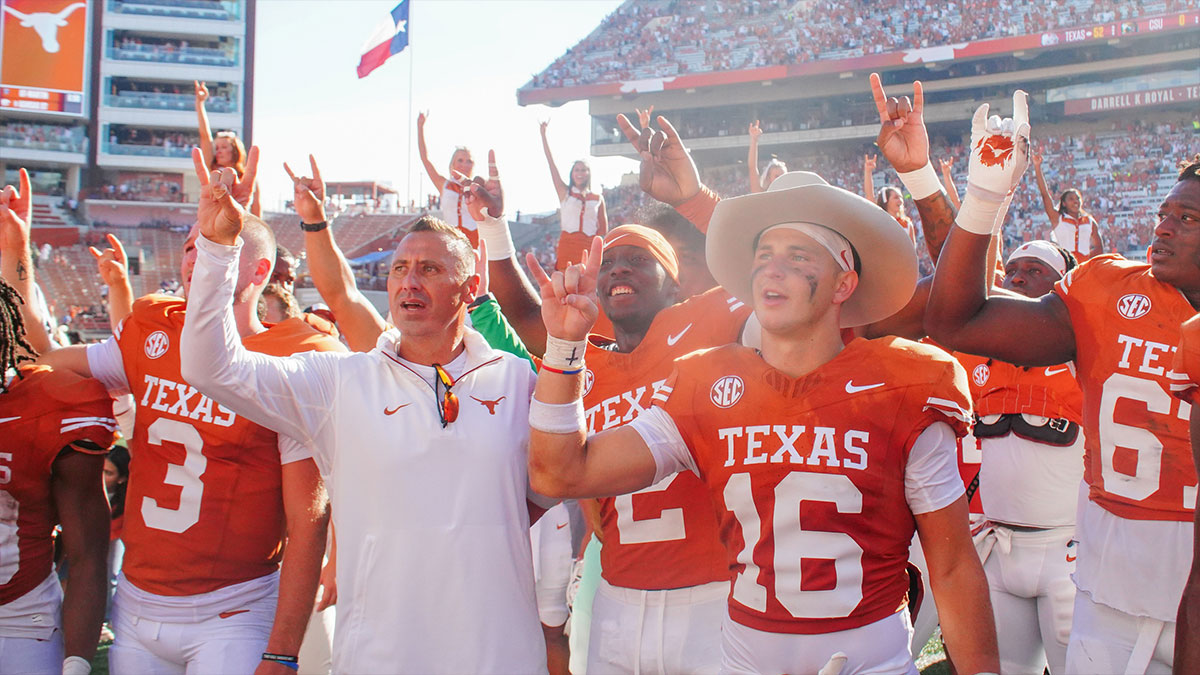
41	100
43	55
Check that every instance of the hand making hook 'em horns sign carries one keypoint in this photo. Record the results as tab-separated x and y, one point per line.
219	215
484	194
309	194
667	172
569	305
902	139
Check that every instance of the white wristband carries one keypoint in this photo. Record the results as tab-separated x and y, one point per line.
560	418
76	665
978	212
922	183
499	240
564	354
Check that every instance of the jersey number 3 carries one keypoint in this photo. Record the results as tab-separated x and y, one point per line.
186	476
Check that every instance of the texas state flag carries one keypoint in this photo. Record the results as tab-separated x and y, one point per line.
390	38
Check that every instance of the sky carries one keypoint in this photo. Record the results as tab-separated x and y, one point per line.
466	58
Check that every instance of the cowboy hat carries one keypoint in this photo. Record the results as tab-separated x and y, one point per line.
887	260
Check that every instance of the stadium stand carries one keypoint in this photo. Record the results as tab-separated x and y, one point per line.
662	38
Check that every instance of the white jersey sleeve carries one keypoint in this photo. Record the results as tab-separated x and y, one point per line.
107	366
290	395
291	450
671	454
931	478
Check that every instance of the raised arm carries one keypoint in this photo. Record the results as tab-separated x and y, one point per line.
563	460
752	159
961	313
77	487
357	318
16	257
947	164
1097	238
1044	190
904	142
439	181
602	218
869	176
112	265
559	185
290	395
206	138
506	280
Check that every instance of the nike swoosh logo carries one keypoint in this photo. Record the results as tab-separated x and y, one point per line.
1052	373
559	527
672	339
1070	558
852	388
9	419
393	411
226	615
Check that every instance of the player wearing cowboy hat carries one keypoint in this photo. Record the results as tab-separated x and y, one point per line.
821	458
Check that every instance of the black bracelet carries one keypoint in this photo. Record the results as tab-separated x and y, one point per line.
287	661
479	301
314	227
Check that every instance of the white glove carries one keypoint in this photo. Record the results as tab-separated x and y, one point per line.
999	154
495	232
76	665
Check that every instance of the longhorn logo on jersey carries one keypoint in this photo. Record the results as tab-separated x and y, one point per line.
1133	306
157	344
727	391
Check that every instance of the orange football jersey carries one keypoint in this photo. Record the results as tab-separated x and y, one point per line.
1186	368
807	474
41	414
664	536
999	388
204	508
1137	459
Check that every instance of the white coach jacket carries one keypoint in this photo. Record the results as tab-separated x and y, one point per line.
434	572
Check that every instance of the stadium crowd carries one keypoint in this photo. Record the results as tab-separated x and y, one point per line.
642	40
717	421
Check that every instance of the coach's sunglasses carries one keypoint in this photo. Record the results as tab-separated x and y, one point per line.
447	401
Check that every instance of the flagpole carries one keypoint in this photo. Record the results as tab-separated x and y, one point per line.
411	48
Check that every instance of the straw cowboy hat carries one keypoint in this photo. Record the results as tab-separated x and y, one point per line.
887	262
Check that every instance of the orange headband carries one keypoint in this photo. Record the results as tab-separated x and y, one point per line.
649	240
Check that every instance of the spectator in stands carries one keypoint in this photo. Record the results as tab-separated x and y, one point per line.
774	169
582	213
888	198
223	150
1070	226
451	188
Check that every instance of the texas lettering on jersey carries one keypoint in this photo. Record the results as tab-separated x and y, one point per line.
808	478
204	506
672	520
1138	462
42	412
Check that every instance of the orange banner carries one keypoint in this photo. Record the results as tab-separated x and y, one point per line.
43	44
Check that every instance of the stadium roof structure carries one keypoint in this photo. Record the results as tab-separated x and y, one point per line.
1018	45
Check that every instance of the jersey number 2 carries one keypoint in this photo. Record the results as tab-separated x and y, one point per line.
186	476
